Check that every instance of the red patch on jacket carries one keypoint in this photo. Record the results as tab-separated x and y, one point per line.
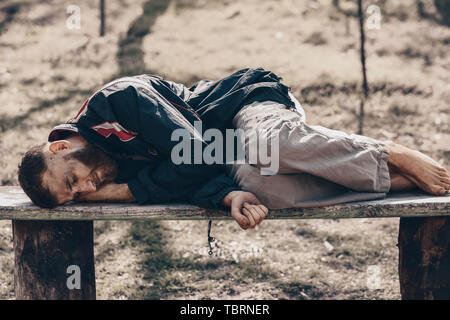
108	128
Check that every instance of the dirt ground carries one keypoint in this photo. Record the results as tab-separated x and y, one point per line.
47	70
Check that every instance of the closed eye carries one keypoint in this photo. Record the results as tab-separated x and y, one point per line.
68	184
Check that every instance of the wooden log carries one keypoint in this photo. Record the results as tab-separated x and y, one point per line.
424	258
50	257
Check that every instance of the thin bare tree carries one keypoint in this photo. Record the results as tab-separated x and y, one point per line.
363	64
102	18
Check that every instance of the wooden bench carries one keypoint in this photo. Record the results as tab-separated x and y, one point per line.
47	242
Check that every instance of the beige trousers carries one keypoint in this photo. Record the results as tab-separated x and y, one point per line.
317	166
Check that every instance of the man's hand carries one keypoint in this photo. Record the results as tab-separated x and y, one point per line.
111	192
246	209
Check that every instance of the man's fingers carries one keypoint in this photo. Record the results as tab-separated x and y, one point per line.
240	218
252	217
260	210
259	213
264	209
258	217
247	210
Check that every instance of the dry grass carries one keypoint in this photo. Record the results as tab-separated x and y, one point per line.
47	70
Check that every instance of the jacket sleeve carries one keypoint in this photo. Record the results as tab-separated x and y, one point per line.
147	187
211	194
154	120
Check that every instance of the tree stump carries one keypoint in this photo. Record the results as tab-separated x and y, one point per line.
424	258
54	260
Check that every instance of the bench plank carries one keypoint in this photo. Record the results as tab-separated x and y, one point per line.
15	205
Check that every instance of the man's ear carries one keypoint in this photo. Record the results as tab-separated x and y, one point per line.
59	146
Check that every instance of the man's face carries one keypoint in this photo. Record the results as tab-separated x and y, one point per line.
73	172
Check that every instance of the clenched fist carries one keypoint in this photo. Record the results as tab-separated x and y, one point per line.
246	209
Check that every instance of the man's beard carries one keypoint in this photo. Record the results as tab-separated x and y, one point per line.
95	158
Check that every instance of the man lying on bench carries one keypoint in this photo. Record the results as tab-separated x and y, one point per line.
150	140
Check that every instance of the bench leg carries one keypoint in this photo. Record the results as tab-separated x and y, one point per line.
54	260
424	258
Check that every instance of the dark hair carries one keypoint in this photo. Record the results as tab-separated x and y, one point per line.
31	169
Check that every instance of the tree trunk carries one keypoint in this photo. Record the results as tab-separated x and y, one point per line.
102	18
54	260
363	67
424	258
